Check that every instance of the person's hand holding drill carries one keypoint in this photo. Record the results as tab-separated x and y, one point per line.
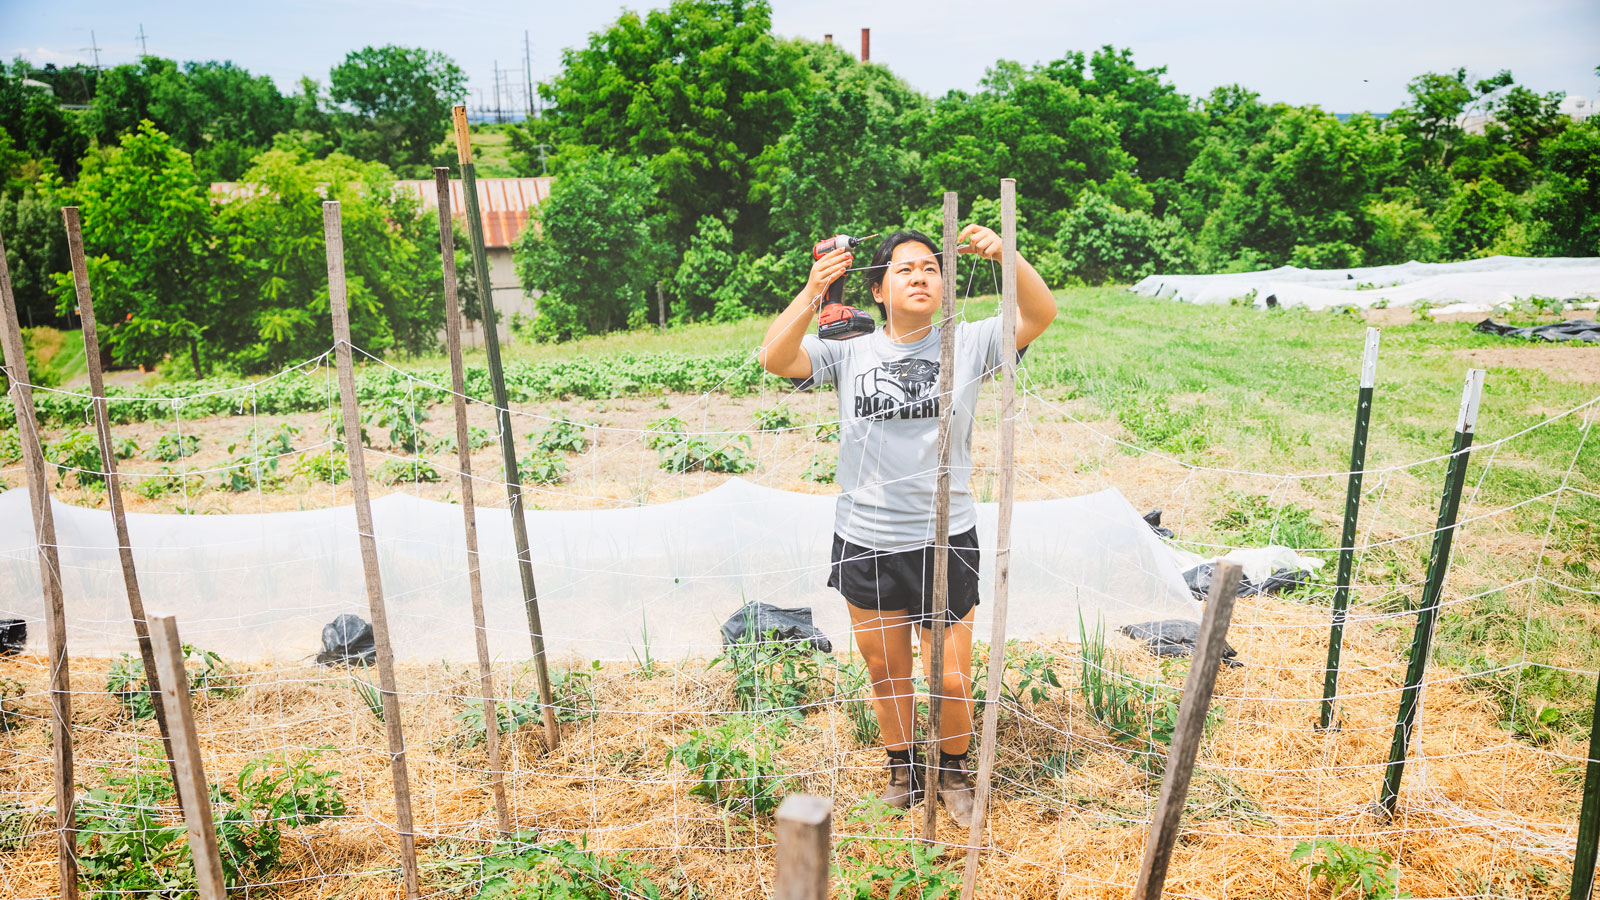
825	270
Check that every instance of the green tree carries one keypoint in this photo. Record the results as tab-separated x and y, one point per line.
36	250
699	94
1303	185
591	250
1025	124
844	166
36	124
275	277
398	101
1564	204
1477	218
1432	121
146	227
1157	124
1102	242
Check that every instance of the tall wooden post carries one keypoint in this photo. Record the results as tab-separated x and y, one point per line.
55	616
1432	591
194	794
369	546
1191	727
108	457
508	441
1002	553
1347	541
805	848
469	514
941	522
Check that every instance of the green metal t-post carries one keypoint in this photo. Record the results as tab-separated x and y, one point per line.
1432	591
1589	816
1352	506
502	409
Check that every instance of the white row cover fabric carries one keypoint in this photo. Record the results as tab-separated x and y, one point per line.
1477	285
609	581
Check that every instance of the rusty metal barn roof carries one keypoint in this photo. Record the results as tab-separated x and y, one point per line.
504	203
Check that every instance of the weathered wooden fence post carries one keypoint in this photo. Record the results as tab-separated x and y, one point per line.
1002	552
369	546
469	514
1432	591
508	440
194	794
941	522
108	459
1347	540
1191	727
55	615
805	824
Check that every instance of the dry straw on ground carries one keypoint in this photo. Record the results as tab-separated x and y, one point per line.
1480	813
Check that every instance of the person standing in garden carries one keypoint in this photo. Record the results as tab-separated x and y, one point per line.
882	560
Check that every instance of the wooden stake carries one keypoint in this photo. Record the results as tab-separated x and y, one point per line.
1444	533
469	515
108	457
508	440
194	794
941	524
1352	508
55	616
805	851
1192	710
1002	557
369	545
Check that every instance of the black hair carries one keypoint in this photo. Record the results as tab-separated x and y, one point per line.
885	252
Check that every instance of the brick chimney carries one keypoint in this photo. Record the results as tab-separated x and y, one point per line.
827	39
866	44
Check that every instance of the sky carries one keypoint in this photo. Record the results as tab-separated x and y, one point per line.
1345	56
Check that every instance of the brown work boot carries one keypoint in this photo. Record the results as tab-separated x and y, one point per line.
956	788
905	781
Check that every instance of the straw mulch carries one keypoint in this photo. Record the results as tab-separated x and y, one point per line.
1480	813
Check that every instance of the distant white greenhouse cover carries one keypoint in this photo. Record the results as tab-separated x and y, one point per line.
611	582
1477	285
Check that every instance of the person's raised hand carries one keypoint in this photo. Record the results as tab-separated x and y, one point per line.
828	269
980	240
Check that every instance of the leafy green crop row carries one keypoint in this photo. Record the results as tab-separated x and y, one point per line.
587	379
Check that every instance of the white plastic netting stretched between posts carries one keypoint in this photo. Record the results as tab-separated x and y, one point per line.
610	581
1477	285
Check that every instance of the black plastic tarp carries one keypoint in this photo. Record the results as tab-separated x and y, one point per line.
1175	637
1587	330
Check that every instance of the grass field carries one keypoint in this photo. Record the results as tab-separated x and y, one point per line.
1236	422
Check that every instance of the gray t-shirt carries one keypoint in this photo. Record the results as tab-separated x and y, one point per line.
889	429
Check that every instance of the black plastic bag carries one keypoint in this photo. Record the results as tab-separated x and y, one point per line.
756	622
1570	330
1199	581
1175	637
1153	519
347	639
13	636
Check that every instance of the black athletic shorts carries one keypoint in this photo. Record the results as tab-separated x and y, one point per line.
903	580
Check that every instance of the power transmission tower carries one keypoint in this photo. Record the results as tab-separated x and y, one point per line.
143	50
498	116
95	46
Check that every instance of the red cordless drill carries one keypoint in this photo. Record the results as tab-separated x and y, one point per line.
839	322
